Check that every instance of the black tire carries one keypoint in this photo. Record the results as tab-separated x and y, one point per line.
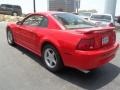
59	64
10	38
14	14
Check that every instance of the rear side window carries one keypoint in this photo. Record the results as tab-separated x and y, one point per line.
8	6
36	20
18	7
3	5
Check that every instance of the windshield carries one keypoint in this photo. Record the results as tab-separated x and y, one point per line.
101	18
71	21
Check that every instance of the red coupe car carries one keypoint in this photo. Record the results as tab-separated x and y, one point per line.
64	39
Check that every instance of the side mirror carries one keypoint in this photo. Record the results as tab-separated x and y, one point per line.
19	23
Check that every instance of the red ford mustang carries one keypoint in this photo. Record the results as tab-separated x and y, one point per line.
64	39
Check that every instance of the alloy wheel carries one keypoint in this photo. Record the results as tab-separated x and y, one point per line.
9	37
50	58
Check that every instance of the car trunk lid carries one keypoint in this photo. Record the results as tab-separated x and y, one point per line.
102	36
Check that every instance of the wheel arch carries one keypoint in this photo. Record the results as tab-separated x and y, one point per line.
55	45
8	28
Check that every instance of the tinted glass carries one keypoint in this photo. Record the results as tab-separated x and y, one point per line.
36	20
71	21
101	18
17	7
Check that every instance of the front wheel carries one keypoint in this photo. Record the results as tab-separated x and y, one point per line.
14	14
10	37
52	58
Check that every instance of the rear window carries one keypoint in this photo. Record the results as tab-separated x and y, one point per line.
101	18
71	21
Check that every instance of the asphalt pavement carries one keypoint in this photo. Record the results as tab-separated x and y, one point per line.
22	70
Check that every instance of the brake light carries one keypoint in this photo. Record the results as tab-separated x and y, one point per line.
114	37
86	44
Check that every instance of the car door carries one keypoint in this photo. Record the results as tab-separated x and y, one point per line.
28	35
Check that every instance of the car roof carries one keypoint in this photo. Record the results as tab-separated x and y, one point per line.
49	12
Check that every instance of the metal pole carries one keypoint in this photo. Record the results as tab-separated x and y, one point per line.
48	5
34	6
78	5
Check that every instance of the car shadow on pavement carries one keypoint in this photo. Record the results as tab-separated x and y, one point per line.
30	54
91	81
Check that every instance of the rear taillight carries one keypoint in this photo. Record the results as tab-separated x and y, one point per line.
86	44
114	37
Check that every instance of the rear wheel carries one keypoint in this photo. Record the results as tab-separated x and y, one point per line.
52	59
14	14
10	38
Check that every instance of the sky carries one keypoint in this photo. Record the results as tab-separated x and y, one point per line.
93	4
99	5
42	5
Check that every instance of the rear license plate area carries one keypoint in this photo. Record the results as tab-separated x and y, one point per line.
105	40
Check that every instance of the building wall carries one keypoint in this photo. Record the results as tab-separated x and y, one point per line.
64	5
110	7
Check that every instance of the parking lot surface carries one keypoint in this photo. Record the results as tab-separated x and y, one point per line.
22	70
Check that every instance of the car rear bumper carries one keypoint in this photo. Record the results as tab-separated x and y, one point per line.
87	60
